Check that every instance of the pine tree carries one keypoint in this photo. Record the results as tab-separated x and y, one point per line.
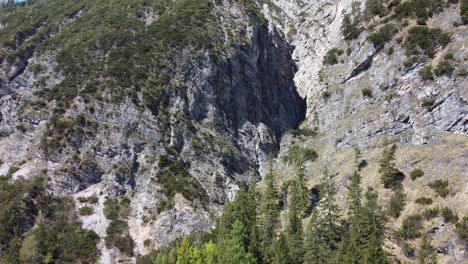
390	176
172	256
195	256
282	250
370	230
29	252
374	8
302	196
354	194
426	253
374	253
348	252
235	249
242	209
295	234
324	229
210	253
349	27
268	222
183	251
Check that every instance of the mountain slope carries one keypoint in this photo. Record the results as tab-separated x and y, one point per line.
150	113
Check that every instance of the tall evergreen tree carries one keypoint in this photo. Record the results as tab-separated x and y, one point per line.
370	230
324	229
354	194
183	251
301	198
282	250
364	243
426	253
195	256
295	234
390	176
242	209
235	249
268	220
210	253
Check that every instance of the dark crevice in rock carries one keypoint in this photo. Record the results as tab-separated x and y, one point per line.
365	65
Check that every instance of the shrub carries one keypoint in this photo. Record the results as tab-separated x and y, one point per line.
115	209
464	11
86	210
299	155
416	173
366	92
93	199
384	35
331	57
424	41
448	215
421	21
444	67
426	73
326	94
462	228
349	27
408	250
175	178
303	132
117	235
390	51
430	213
423	200
163	205
397	204
440	187
449	56
427	103
411	227
11	171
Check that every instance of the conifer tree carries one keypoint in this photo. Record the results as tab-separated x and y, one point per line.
426	253
371	230
302	196
295	233
354	194
349	27
390	176
242	209
324	229
235	250
183	251
282	250
374	8
195	256
268	222
210	253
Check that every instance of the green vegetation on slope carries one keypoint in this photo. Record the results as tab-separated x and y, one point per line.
36	227
250	230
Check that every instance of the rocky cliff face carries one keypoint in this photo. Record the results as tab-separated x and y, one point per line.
218	122
425	118
193	123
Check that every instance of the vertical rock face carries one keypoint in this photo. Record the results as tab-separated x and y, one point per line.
223	116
